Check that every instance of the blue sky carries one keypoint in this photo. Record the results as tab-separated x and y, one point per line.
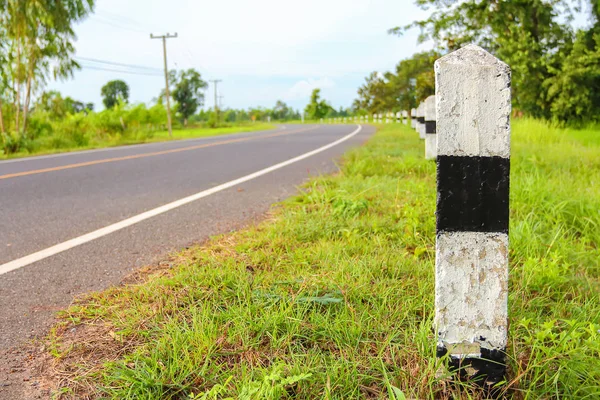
263	50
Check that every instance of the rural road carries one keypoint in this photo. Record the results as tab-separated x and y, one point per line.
46	202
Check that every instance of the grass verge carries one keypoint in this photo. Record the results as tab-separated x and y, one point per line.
55	144
332	297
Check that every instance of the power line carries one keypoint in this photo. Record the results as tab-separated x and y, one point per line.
97	18
118	70
120	19
95	60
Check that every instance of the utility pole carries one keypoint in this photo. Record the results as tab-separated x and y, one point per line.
216	81
164	40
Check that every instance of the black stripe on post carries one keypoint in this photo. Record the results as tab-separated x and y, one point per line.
429	127
421	120
472	194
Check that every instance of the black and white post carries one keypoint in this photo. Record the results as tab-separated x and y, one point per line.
421	120
405	117
473	162
430	136
413	118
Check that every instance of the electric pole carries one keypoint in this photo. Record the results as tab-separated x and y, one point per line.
164	40
216	81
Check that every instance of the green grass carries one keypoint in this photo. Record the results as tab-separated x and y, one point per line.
332	297
56	144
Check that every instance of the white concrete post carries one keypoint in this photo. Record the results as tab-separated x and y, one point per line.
421	121
405	117
413	118
471	289
430	136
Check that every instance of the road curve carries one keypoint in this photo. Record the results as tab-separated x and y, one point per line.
45	201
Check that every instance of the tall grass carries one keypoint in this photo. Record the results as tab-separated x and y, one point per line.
332	297
124	124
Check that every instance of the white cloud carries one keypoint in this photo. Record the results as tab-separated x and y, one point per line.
304	88
258	48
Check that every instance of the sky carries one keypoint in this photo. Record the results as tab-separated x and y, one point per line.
262	50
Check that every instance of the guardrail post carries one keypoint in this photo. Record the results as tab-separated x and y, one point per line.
430	136
473	162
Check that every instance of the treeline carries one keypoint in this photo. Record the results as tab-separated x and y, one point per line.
318	108
59	122
556	68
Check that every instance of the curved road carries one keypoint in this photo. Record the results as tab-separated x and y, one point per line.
46	202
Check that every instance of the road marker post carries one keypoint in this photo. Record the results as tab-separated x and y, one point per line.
405	117
421	121
473	162
413	118
430	136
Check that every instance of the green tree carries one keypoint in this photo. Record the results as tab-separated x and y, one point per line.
188	92
281	111
412	82
113	92
317	108
37	43
574	88
526	34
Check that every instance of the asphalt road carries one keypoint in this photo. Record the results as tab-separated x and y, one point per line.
46	201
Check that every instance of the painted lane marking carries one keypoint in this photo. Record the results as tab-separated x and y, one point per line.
152	154
88	237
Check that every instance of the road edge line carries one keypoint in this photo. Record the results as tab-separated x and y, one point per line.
117	226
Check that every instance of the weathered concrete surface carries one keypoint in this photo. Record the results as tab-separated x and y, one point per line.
430	136
413	118
473	129
473	105
471	291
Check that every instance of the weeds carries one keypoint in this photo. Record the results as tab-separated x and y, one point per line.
333	296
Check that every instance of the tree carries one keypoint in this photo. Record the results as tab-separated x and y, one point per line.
57	106
36	43
188	91
526	34
317	108
412	82
574	88
281	111
113	92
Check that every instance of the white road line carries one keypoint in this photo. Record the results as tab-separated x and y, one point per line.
88	237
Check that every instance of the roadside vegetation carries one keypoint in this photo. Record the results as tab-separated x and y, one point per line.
332	296
59	125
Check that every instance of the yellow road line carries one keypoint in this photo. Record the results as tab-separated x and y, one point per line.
157	153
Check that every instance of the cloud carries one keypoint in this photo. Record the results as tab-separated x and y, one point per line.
263	50
304	88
